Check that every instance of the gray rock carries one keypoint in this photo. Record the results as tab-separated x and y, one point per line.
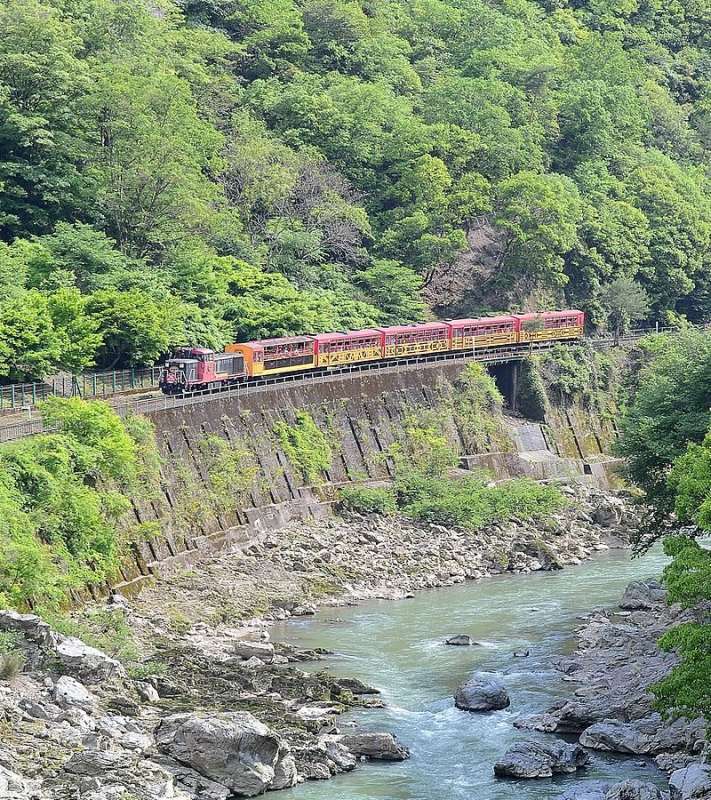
541	759
691	783
616	737
634	790
460	640
376	746
590	790
643	595
12	785
97	763
355	686
482	693
87	663
69	692
232	749
246	649
147	692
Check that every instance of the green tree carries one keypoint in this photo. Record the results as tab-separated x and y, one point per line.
626	302
395	289
77	332
29	345
670	409
43	139
539	215
134	329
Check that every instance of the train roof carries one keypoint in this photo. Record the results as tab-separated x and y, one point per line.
361	334
261	343
533	314
497	318
424	326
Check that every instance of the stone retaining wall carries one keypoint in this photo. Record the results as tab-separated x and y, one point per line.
362	417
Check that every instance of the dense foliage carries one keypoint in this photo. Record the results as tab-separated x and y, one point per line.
62	495
669	411
186	171
666	439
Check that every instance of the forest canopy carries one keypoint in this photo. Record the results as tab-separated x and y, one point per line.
195	171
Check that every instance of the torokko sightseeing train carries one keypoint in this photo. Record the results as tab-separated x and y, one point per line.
197	368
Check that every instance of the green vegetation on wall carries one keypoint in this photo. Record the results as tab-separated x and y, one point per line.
62	496
477	408
423	457
305	445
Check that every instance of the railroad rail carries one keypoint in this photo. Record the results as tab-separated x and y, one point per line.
490	355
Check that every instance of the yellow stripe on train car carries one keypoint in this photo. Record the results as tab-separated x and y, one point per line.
548	334
417	348
348	356
490	340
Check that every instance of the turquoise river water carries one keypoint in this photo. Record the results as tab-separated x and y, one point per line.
398	647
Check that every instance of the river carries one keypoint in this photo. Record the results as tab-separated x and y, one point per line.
398	647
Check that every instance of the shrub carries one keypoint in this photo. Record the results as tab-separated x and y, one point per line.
368	500
11	665
473	503
62	495
305	445
532	396
477	409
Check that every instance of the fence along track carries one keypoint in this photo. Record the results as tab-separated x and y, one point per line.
491	355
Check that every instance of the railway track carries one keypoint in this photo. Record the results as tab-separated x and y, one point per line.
155	401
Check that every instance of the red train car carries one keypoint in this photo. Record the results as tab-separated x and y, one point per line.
334	349
413	340
549	325
483	332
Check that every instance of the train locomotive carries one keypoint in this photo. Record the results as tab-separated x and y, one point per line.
198	368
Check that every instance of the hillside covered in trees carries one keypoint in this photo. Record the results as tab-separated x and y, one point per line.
195	171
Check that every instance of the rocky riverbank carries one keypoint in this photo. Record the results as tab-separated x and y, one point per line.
215	709
616	660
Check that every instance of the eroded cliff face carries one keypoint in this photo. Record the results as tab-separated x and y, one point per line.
227	476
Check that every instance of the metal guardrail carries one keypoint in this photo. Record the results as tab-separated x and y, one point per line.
90	385
490	355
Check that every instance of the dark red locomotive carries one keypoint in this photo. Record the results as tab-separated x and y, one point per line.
194	368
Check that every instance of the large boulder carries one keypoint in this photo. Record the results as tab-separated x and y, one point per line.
609	512
460	640
691	783
590	790
648	735
376	746
615	736
247	649
233	749
602	790
634	790
482	693
87	663
69	693
541	759
643	595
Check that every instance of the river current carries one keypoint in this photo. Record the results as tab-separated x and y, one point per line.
398	646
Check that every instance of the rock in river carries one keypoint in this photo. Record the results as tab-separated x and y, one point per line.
541	759
460	640
601	790
232	749
691	783
482	693
642	595
376	746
